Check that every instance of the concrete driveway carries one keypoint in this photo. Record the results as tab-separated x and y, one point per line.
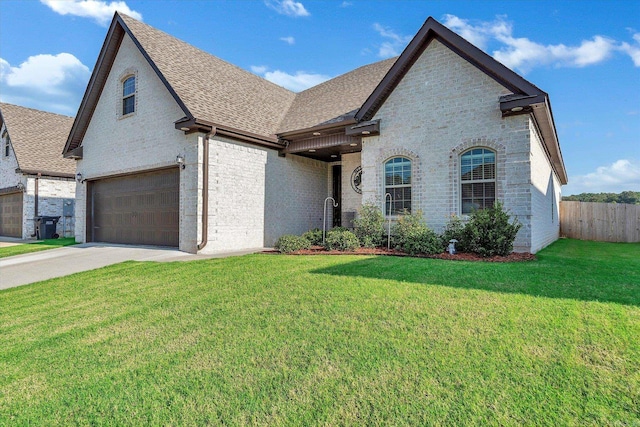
34	267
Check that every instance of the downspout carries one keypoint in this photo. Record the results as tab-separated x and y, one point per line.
35	222
205	190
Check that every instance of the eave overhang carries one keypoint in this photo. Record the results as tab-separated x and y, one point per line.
52	174
195	125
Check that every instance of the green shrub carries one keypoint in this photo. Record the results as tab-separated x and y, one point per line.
369	226
489	232
342	240
454	230
291	243
340	229
411	235
314	236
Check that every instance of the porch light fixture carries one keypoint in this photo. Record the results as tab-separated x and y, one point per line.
180	161
79	177
516	109
185	129
312	151
365	132
317	134
353	144
334	156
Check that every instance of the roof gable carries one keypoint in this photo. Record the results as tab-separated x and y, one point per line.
207	89
431	30
37	138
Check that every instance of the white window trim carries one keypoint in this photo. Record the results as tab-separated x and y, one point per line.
126	74
463	215
385	186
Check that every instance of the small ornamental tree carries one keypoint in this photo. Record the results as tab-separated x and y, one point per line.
369	226
489	232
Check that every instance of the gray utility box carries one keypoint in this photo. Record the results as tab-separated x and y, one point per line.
68	206
46	226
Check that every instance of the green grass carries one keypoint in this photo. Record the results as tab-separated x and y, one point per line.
328	340
36	247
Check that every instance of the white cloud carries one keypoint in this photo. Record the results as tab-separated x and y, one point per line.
47	82
524	54
395	43
633	50
346	4
288	7
259	69
297	82
622	175
288	40
100	11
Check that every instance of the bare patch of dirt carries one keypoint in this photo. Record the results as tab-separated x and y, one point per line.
460	256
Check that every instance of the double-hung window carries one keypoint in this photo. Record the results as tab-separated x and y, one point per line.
477	179
129	95
397	183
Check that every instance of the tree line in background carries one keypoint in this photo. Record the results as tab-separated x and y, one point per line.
630	197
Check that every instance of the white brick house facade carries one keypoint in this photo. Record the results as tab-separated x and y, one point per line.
272	154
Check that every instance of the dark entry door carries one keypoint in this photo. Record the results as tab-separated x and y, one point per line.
138	209
337	195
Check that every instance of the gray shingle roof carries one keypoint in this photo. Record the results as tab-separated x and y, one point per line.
212	89
224	94
37	138
334	97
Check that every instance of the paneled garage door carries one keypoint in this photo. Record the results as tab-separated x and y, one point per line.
138	209
11	215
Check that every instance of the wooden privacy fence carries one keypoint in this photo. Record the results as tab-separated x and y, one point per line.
604	222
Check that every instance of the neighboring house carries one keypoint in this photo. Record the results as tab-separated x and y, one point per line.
177	147
35	180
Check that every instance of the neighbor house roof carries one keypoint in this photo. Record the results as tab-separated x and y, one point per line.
37	138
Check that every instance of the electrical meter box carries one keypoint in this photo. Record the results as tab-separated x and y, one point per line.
68	206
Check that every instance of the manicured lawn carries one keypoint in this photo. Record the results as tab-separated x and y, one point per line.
35	247
330	340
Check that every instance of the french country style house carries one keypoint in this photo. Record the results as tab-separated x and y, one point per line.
35	180
177	147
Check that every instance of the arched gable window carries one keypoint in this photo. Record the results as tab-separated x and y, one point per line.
477	179
129	95
397	182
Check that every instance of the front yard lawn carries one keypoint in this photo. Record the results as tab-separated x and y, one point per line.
330	340
36	247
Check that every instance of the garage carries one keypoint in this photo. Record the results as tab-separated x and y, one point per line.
11	215
136	209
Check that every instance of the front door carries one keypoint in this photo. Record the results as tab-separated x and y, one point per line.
337	195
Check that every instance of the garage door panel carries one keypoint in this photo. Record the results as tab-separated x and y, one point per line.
11	215
137	209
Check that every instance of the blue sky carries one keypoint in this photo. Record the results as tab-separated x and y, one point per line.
585	54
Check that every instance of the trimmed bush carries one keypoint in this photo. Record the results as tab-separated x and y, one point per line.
454	230
489	232
369	226
291	243
314	236
342	240
411	235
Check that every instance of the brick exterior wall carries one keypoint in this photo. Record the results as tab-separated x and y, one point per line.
255	196
351	200
442	107
545	196
141	141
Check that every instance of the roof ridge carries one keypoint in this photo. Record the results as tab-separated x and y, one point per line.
205	52
35	110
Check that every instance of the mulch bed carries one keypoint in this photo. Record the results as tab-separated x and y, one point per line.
460	256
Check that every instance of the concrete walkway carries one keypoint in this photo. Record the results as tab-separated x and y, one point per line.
37	266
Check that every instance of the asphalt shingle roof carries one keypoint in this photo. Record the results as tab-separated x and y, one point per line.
224	94
38	138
